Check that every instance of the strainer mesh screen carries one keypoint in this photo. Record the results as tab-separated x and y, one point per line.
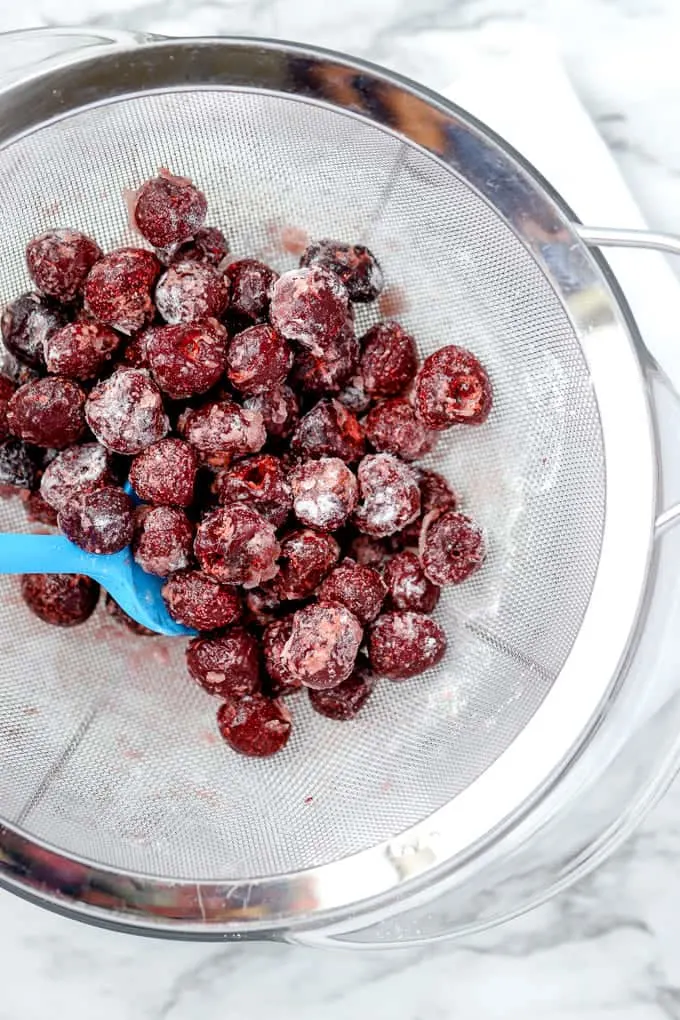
107	750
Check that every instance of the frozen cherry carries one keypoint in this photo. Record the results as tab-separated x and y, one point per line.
196	600
100	521
122	618
451	547
165	473
168	210
261	481
222	431
133	353
125	412
324	493
18	469
323	646
354	396
259	360
63	600
402	645
254	725
27	323
7	388
80	350
435	494
189	358
191	290
356	266
408	586
358	588
163	540
367	551
281	680
306	558
237	545
347	699
309	306
392	427
329	430
251	284
327	373
47	412
39	511
262	605
452	388
59	261
390	494
45	456
209	246
75	471
389	360
280	410
118	289
435	491
227	665
16	371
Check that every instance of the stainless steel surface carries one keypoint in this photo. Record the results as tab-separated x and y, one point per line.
114	765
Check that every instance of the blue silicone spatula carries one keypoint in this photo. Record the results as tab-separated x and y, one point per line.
135	591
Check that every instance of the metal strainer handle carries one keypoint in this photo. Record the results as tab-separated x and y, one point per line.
616	237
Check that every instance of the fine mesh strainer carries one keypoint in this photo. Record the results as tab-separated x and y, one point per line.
117	800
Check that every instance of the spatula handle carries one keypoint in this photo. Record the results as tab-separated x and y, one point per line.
42	554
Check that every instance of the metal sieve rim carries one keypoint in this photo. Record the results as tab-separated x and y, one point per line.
364	880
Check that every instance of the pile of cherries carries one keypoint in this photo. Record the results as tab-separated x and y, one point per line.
271	448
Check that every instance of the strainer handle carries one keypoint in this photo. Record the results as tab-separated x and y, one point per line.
614	237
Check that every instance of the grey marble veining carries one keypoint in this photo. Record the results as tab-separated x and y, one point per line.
609	947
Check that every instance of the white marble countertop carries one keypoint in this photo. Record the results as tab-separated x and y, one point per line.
608	948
